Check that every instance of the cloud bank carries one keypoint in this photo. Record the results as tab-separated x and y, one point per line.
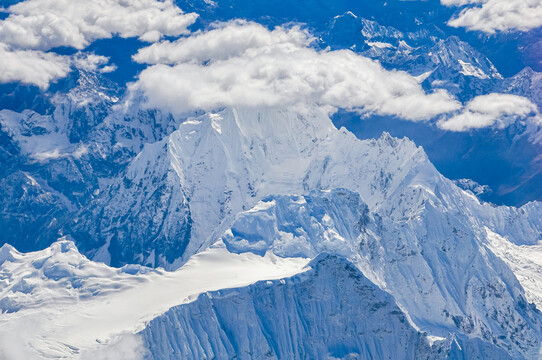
46	24
498	110
31	67
491	16
245	64
36	26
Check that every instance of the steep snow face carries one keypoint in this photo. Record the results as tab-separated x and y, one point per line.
524	260
329	312
176	194
437	268
55	303
325	221
219	164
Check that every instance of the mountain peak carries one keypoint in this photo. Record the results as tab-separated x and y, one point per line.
7	253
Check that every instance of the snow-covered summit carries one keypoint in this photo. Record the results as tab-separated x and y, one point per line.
290	183
179	194
216	165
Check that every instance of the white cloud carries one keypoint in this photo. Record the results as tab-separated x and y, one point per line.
35	26
40	68
498	110
45	24
31	67
244	64
225	41
93	62
497	15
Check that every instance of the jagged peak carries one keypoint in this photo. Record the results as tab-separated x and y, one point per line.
407	146
526	72
386	138
7	253
348	14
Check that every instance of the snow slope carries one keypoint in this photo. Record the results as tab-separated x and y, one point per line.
426	243
176	192
437	268
57	304
524	260
329	312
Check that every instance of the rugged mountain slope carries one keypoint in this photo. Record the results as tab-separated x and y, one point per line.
57	304
54	164
437	267
450	63
330	311
219	164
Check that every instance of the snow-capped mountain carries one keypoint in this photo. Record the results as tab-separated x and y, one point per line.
274	181
55	303
218	164
329	311
428	55
411	231
245	225
449	63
